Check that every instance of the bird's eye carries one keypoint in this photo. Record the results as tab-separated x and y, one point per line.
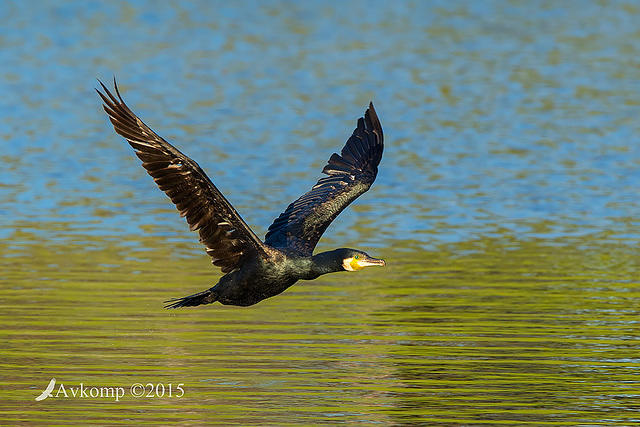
357	256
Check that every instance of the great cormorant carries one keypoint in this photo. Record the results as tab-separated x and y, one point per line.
256	270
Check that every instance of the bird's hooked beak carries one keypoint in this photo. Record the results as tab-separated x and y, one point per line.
360	262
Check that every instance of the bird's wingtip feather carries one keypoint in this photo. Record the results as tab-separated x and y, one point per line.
115	85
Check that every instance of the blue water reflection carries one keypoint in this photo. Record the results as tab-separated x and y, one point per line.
497	115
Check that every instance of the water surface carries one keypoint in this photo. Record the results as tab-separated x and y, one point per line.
506	207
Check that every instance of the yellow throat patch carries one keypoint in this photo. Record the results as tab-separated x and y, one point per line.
351	264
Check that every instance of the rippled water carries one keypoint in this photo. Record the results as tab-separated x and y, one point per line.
507	208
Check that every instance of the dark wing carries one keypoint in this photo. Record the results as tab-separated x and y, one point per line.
301	225
228	239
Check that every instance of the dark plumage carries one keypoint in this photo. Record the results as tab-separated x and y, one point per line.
257	270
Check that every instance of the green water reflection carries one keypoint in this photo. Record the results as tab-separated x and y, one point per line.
486	331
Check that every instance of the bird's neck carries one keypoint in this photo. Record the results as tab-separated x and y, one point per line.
322	263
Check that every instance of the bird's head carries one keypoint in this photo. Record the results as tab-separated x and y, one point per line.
354	260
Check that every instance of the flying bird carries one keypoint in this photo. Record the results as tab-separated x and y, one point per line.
255	269
47	391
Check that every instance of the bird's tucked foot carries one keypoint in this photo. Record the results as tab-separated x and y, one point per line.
204	297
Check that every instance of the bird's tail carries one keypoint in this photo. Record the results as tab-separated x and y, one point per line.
204	297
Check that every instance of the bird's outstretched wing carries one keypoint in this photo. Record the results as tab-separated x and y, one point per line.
228	239
301	225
